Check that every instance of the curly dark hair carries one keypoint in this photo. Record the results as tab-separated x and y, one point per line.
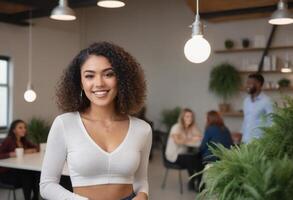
258	77
130	78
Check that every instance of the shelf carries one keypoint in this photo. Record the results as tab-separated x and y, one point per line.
251	49
264	72
232	114
288	89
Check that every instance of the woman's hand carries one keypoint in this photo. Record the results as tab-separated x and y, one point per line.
196	138
28	151
141	196
179	138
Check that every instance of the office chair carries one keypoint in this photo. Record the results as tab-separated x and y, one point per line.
169	165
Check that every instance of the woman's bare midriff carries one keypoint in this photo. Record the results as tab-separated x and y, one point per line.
105	192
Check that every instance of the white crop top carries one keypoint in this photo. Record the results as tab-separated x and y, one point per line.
89	164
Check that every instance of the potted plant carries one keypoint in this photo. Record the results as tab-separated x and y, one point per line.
229	44
38	130
284	83
170	116
225	82
245	42
259	170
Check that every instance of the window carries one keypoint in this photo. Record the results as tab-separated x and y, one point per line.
4	92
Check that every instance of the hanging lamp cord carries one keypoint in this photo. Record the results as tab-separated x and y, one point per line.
196	7
30	49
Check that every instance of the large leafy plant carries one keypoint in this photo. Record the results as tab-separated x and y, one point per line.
261	170
247	173
278	140
38	130
170	116
225	81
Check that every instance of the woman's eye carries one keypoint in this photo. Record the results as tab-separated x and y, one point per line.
110	74
89	76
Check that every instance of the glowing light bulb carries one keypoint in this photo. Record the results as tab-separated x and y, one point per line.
111	3
197	49
30	95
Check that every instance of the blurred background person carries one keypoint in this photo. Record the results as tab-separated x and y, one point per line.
255	107
183	134
216	132
28	180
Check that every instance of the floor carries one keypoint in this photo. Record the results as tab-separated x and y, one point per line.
156	173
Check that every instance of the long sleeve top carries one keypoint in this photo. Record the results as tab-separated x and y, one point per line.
88	163
9	145
254	116
214	134
173	149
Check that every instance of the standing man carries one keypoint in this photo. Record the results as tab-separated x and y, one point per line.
255	107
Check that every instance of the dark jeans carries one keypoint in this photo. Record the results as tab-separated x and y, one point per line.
28	180
129	197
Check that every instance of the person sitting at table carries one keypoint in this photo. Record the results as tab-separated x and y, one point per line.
183	134
216	132
28	180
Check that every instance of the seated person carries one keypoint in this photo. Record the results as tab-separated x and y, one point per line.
28	180
183	133
215	132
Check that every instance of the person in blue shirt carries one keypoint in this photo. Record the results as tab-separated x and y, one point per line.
215	133
256	107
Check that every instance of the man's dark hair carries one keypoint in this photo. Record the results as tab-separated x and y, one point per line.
258	77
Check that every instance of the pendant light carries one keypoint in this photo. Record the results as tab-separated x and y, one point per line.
63	12
111	3
281	16
197	49
30	95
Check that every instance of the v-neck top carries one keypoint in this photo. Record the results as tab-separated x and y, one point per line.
88	163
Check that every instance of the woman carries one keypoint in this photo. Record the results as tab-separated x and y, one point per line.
28	180
216	133
182	135
106	149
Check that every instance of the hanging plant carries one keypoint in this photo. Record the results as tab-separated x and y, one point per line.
225	81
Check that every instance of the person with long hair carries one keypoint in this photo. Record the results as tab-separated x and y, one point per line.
28	180
216	132
182	134
106	149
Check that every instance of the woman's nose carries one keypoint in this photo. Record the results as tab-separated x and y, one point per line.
99	81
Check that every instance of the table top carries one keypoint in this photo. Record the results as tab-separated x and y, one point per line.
28	162
195	145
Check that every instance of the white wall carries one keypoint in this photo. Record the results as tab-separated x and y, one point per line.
54	44
154	31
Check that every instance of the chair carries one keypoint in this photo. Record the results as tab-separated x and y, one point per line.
9	188
169	165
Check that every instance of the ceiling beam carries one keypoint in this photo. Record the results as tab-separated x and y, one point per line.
46	11
7	19
267	9
240	13
34	3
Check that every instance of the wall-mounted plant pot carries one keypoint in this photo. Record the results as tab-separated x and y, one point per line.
229	44
284	83
224	107
245	43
